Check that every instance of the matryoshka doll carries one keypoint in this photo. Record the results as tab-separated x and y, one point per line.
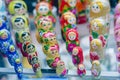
5	41
44	24
50	39
20	24
99	8
99	27
77	55
67	21
72	39
67	5
96	69
18	7
52	55
96	50
33	60
81	71
81	10
18	68
61	69
44	9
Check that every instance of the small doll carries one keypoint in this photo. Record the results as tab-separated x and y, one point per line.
44	9
72	39
18	68
98	27
81	9
30	49
67	5
44	24
61	69
77	55
50	38
5	41
81	70
99	8
67	21
12	55
18	7
51	51
96	69
96	50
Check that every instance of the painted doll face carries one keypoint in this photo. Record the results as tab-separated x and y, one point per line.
20	9
81	67
30	48
12	48
61	64
35	60
46	24
72	3
19	23
3	34
52	39
96	43
95	26
26	36
71	20
75	51
54	52
43	9
72	36
95	8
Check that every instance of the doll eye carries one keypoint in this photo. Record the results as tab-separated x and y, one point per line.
96	7
45	9
44	24
41	9
70	2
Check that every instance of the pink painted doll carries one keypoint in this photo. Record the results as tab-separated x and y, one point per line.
72	39
81	70
77	55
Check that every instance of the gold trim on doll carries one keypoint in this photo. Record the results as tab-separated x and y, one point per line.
20	22
17	7
99	8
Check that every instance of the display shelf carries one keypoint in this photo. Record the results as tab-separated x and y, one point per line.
71	73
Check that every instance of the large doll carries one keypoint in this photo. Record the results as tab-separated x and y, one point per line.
67	21
72	39
44	9
18	7
44	24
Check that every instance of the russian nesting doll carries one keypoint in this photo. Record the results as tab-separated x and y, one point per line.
96	69
67	21
96	50
5	41
99	8
18	68
18	7
44	9
81	70
50	38
99	27
77	55
44	24
61	69
67	5
72	39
